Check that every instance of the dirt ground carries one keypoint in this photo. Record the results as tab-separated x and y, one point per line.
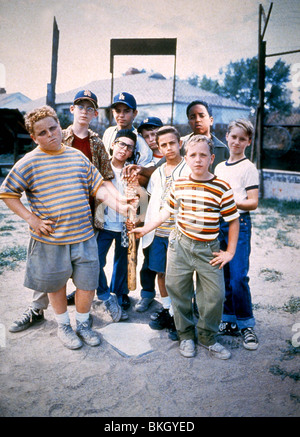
41	378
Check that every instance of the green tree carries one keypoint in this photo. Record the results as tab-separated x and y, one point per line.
239	81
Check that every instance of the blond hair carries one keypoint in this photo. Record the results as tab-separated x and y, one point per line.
244	124
38	114
197	139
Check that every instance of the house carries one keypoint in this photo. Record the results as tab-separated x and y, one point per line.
12	100
153	93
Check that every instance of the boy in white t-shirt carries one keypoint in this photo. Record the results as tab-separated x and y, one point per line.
242	176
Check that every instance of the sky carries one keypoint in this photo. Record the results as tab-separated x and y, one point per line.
210	34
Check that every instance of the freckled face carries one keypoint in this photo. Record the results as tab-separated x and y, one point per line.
47	134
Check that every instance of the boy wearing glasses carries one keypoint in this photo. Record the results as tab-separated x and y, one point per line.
123	149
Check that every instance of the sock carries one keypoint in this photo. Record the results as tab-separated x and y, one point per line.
82	317
63	319
166	302
171	311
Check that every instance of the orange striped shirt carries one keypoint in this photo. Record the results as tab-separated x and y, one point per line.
199	205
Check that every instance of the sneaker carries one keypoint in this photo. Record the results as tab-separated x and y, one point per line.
125	302
154	316
124	316
143	304
162	321
250	340
173	335
187	348
113	307
68	337
228	328
84	331
218	351
29	318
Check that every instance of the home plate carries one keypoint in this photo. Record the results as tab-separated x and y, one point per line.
129	339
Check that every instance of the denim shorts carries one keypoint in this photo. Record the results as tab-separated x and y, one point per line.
50	266
158	254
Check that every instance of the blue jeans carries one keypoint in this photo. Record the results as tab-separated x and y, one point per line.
118	284
147	277
238	305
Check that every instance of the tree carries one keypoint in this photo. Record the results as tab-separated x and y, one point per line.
239	81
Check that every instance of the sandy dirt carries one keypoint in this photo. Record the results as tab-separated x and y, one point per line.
39	377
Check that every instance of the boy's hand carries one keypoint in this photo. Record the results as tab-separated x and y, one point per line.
221	258
138	232
41	227
131	171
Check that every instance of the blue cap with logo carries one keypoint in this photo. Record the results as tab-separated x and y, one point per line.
125	98
86	95
149	122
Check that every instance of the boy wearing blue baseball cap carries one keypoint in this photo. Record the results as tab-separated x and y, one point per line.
124	110
147	129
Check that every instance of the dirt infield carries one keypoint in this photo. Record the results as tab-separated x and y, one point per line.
39	377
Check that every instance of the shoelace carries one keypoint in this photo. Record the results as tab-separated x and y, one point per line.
249	335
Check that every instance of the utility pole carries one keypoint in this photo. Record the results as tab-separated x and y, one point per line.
261	88
51	86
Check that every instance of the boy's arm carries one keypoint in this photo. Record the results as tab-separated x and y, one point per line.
161	218
222	257
108	194
251	203
39	226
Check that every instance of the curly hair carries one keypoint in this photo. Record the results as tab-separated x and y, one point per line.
38	114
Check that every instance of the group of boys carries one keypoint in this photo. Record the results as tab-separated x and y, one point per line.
191	214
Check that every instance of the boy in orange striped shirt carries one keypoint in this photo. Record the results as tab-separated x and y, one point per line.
198	201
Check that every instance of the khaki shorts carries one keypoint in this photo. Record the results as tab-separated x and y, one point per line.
50	266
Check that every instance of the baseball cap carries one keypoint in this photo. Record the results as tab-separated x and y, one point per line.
86	95
125	98
150	121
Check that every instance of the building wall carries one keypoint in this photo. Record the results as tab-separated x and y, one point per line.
282	185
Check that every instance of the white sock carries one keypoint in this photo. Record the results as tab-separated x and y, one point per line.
171	311
63	319
82	317
166	302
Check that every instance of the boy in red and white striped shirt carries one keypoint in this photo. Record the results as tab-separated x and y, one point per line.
198	201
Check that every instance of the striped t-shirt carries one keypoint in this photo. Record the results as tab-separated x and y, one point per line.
199	205
57	186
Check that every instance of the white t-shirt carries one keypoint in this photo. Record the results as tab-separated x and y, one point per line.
113	221
241	176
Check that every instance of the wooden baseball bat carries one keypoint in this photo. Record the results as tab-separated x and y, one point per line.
131	257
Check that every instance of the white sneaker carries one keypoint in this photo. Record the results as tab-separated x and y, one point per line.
187	348
218	351
113	307
68	337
